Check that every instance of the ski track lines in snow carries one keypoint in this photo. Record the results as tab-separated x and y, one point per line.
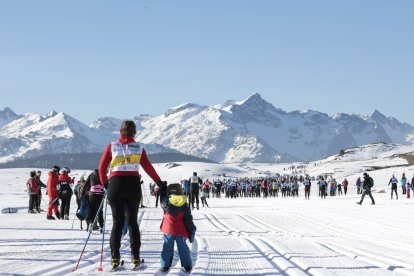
331	261
244	236
90	261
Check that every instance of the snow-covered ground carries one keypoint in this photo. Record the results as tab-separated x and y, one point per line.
252	236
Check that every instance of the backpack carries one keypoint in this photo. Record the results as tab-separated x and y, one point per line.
371	182
83	211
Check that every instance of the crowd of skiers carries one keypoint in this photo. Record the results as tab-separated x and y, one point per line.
283	186
406	186
60	188
59	192
279	185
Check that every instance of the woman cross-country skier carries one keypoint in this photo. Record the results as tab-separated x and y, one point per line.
124	158
95	192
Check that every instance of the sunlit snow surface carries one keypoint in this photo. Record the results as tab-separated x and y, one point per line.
252	236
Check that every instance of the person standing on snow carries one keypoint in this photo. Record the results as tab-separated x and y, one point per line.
65	192
186	189
367	184
124	158
32	189
322	187
177	225
358	185
52	192
307	183
403	183
204	196
393	181
195	183
408	188
345	185
338	187
39	193
206	188
94	189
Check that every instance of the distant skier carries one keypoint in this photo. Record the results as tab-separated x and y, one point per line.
307	183
338	187
39	193
345	185
65	192
322	187
195	183
367	184
52	192
332	187
32	189
408	188
186	189
393	181
358	185
204	196
217	187
206	188
403	183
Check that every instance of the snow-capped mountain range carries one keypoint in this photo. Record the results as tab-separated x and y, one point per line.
251	130
254	130
31	135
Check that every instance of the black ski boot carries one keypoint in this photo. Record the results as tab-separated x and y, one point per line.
136	262
115	263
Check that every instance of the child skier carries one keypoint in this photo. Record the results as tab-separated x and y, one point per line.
177	225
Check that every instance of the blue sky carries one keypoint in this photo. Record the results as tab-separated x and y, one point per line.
124	58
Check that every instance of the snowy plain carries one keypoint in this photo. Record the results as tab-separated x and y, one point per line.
243	236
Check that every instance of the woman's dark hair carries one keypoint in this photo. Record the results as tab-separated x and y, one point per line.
128	128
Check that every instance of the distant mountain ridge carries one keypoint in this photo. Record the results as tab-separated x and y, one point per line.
32	135
251	130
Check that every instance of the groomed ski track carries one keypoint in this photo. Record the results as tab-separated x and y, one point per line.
244	236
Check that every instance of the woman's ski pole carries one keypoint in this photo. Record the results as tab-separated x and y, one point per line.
103	234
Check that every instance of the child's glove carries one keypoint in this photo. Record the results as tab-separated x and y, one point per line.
191	239
163	186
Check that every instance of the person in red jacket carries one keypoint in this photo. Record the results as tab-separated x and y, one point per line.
124	158
32	189
177	226
65	192
52	192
